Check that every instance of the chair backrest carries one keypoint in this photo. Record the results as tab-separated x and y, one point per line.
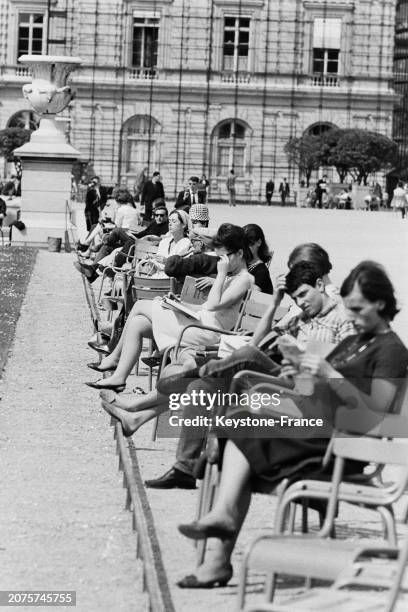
147	288
254	309
190	294
144	250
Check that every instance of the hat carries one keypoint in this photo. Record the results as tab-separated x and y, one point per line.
199	212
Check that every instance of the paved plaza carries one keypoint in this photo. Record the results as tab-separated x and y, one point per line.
63	520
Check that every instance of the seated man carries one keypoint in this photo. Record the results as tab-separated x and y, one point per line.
321	319
191	195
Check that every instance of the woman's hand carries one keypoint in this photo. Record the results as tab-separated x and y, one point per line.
204	282
316	365
288	370
222	265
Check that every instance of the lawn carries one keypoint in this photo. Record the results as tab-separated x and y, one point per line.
16	265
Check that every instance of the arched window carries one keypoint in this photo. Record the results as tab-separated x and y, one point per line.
320	128
140	145
230	147
26	119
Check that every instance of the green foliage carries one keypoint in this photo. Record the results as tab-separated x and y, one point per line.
351	151
360	153
305	153
12	138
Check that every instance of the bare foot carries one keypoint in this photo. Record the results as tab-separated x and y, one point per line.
130	424
129	402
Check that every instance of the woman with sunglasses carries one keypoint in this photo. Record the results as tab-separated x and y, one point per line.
148	319
363	372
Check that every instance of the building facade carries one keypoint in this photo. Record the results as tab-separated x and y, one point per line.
201	87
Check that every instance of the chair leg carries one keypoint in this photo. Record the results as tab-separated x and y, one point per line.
305	508
388	519
270	585
291	518
210	483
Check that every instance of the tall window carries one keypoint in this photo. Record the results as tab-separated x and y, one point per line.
31	37
140	144
236	43
326	47
230	144
145	41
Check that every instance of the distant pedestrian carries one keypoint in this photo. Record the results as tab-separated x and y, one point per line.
284	191
231	188
399	200
321	190
151	191
269	189
140	182
95	200
203	187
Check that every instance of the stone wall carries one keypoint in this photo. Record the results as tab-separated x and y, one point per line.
191	94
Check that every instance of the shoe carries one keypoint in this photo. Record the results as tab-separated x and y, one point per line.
198	531
173	479
85	269
192	582
101	348
97	385
81	247
95	366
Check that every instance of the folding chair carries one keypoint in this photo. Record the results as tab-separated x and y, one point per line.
147	288
359	578
275	554
141	250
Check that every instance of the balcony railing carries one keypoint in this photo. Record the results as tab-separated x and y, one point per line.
145	74
325	80
235	77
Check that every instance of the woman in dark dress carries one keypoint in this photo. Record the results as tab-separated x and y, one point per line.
363	370
260	257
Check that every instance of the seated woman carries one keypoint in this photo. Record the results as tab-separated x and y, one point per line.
364	368
177	241
260	257
149	319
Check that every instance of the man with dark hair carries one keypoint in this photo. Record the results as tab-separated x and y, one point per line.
95	200
269	189
151	191
321	319
191	195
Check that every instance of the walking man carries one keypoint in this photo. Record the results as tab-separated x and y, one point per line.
231	188
284	191
269	189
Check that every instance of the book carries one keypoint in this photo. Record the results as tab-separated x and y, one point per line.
175	304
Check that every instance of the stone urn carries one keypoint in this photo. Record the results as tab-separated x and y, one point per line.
47	158
49	92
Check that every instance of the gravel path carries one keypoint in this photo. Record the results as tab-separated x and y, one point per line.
63	523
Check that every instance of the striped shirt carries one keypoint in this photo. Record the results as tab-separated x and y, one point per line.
330	325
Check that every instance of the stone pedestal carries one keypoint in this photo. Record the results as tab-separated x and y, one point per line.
45	189
47	158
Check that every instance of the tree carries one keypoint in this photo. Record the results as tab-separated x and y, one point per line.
10	139
360	153
305	153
